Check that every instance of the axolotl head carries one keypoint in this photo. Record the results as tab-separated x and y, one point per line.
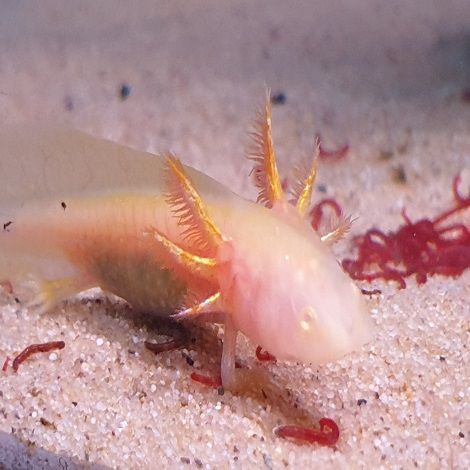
288	292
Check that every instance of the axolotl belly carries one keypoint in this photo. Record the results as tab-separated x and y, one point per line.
81	212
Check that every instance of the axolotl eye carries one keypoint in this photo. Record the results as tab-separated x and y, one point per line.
308	317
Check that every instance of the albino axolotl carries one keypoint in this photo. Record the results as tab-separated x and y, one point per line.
82	212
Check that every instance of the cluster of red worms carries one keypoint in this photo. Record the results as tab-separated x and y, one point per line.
423	248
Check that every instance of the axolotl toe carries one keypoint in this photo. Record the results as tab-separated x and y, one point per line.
82	212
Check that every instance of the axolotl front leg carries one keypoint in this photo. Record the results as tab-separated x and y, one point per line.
206	238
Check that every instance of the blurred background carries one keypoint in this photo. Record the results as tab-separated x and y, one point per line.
390	79
187	75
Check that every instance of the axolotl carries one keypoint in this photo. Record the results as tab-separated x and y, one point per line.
82	212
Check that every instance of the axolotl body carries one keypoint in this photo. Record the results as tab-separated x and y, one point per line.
81	212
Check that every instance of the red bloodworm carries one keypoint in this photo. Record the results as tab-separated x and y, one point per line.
214	382
423	248
211	381
455	190
327	435
36	348
405	217
336	154
460	230
264	355
316	214
5	364
462	202
178	339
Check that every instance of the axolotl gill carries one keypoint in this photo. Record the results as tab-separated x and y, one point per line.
82	212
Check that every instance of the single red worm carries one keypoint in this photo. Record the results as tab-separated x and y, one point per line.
327	435
214	382
36	348
264	355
